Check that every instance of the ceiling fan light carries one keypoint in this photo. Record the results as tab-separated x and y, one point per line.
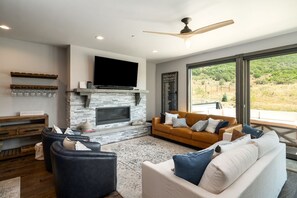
188	43
99	37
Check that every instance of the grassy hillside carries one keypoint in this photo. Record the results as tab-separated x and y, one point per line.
273	83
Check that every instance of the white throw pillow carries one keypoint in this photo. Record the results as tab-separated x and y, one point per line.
68	131
57	130
232	145
80	147
223	170
168	117
212	125
266	142
69	144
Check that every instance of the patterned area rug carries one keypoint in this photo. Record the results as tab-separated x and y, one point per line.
131	154
10	188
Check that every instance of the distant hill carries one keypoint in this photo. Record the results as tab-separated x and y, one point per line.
275	70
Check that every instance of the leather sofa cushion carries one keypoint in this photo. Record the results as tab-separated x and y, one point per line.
163	127
182	132
207	137
192	118
232	121
181	114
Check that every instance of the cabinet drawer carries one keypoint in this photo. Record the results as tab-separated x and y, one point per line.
28	131
10	132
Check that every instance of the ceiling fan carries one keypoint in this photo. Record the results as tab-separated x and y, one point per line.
187	33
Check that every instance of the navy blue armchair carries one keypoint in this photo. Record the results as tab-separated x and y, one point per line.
80	174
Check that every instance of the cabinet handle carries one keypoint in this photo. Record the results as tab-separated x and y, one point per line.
31	130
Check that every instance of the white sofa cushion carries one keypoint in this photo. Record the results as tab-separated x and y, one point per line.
223	170
232	145
266	142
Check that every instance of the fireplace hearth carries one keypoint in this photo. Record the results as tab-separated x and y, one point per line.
108	115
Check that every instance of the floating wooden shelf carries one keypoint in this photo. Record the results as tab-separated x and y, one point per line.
44	87
33	75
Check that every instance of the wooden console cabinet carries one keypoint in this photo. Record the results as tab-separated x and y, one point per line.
19	134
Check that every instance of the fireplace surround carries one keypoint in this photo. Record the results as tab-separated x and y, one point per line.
78	113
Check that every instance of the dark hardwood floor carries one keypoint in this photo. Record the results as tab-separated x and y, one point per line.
36	182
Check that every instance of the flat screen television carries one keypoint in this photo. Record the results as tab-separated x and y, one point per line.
114	74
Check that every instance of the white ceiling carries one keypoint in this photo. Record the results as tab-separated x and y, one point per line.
77	22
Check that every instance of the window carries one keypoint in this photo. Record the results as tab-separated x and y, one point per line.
212	89
273	96
257	88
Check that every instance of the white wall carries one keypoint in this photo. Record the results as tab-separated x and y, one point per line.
180	65
151	86
20	56
82	65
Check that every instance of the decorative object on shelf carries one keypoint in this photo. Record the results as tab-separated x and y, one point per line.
33	90
83	84
169	91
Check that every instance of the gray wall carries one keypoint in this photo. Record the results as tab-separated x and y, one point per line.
20	56
150	86
81	65
180	65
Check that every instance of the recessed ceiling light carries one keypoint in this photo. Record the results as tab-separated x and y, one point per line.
4	27
99	37
155	51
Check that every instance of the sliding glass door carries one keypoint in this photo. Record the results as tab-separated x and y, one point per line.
258	88
273	95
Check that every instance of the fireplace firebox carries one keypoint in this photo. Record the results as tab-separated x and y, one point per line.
108	115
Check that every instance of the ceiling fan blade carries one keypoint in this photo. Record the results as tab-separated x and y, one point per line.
212	27
163	33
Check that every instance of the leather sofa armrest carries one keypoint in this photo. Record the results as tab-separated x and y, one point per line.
156	120
229	130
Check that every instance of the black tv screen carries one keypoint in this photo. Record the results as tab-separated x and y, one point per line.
113	73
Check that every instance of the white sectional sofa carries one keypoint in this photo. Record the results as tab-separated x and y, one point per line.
264	179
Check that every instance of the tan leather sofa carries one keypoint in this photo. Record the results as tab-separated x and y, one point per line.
186	135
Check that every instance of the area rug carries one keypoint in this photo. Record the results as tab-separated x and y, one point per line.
10	188
131	154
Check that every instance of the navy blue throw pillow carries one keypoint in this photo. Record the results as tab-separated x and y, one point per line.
221	124
191	166
255	133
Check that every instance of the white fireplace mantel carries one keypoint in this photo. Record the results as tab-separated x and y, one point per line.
88	93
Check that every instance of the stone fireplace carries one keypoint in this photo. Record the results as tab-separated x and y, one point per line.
112	102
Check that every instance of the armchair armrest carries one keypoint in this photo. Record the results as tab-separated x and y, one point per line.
229	129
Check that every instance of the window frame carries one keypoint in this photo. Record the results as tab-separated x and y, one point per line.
242	76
